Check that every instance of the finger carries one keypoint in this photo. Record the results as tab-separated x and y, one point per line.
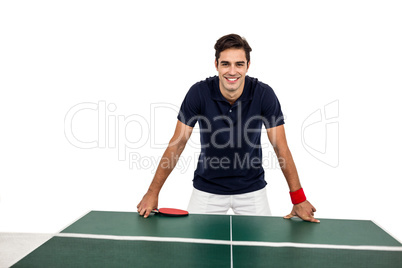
142	211
314	220
289	216
314	210
147	212
310	219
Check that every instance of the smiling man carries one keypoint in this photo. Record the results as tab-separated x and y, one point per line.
232	68
231	109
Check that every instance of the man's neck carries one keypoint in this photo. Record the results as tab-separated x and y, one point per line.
231	96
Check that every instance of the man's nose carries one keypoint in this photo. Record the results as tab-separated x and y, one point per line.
232	70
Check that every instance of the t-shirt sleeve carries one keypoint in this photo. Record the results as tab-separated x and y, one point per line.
271	109
190	107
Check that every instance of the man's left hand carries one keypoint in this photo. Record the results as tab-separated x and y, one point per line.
303	210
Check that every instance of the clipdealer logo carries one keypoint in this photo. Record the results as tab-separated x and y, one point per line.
319	134
112	129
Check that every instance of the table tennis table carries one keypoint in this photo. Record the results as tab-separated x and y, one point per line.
125	239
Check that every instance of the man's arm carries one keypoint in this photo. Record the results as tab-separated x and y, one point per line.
277	137
166	165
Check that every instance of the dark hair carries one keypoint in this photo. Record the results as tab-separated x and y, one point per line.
232	41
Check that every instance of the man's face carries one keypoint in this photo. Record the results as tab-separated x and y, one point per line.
232	68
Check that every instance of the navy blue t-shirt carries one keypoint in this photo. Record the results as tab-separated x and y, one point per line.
230	161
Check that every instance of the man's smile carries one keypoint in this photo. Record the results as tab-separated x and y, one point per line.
232	79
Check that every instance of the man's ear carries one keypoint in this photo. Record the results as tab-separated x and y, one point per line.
248	65
216	64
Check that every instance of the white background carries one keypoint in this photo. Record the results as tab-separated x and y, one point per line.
134	56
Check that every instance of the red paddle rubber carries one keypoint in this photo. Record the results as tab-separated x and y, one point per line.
171	212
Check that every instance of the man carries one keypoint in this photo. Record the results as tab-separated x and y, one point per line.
230	109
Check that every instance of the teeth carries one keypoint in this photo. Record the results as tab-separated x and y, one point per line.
232	79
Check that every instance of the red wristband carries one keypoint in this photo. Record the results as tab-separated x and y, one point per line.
297	196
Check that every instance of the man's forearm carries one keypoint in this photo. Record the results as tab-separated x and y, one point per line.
288	168
165	167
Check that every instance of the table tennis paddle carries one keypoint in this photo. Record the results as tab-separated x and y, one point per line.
173	212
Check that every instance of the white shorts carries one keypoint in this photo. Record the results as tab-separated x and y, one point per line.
253	203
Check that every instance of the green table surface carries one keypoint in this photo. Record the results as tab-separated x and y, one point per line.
125	239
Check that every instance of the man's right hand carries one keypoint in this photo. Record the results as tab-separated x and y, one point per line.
147	204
